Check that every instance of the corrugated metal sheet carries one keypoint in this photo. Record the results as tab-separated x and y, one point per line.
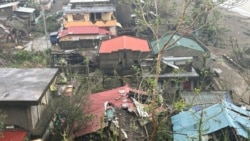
205	98
124	43
25	10
216	117
117	97
94	9
184	42
9	4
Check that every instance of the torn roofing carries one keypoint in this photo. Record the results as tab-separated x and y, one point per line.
124	43
96	107
216	117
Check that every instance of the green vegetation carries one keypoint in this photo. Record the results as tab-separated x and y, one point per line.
27	59
2	118
51	22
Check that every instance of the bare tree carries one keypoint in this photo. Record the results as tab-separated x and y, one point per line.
172	17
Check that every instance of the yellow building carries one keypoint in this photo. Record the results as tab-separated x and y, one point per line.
98	13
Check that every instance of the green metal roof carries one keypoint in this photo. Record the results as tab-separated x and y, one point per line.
184	42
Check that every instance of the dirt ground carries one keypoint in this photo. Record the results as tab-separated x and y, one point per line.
231	78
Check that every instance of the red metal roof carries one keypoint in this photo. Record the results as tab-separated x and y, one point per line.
13	135
96	107
83	30
124	43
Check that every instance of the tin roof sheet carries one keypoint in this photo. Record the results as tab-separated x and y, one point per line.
25	10
182	41
9	4
216	117
94	9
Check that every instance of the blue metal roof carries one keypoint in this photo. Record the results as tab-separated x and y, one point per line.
216	117
182	41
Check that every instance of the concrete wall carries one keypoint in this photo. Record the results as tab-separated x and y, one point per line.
81	37
79	44
69	17
107	16
113	31
126	58
186	52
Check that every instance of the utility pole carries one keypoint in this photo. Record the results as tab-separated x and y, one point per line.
45	27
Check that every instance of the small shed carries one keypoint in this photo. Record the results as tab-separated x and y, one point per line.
27	14
6	10
24	96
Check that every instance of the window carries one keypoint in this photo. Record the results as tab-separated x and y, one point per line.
78	17
187	85
95	17
98	16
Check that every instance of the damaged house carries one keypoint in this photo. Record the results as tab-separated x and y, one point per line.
183	47
177	74
27	15
24	96
222	121
109	107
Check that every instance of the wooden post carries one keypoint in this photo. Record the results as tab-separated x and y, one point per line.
120	127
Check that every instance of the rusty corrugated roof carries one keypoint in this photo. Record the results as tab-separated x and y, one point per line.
97	109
